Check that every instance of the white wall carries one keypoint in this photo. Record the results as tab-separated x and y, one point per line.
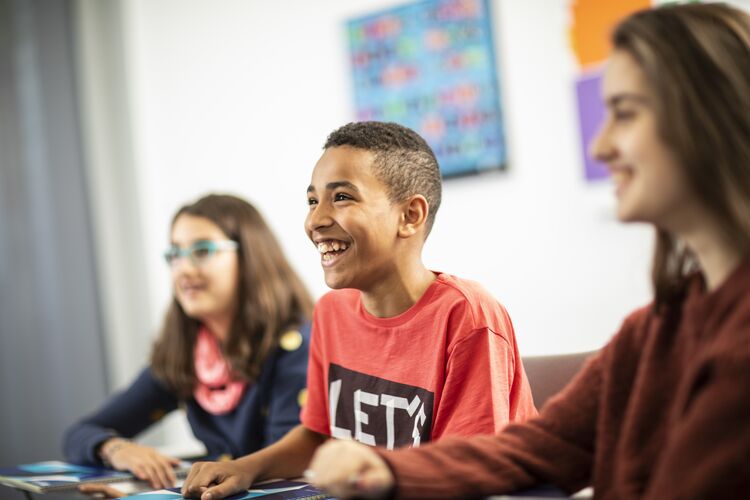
239	95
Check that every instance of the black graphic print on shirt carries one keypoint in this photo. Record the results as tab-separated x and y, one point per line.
376	411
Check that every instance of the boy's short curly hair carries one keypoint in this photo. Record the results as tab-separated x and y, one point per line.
403	161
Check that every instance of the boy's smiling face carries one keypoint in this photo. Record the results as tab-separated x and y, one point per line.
351	220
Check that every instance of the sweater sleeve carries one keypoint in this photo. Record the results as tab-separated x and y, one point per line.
555	447
709	443
286	391
126	414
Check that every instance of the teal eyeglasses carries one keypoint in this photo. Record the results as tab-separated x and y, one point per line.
199	252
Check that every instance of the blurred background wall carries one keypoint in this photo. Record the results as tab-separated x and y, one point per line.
51	328
175	98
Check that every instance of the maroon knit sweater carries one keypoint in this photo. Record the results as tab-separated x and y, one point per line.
661	412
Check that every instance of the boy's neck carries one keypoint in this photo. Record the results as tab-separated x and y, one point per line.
397	293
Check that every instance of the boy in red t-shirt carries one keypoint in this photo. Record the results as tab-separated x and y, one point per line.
400	355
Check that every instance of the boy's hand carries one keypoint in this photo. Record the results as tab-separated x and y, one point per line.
213	480
348	469
144	462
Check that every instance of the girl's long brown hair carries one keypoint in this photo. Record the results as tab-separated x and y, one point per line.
271	298
696	59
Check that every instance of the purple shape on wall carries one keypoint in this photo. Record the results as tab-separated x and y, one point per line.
590	116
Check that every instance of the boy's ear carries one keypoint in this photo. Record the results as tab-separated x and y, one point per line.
413	216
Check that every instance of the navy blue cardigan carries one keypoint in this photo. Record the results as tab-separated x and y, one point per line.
267	410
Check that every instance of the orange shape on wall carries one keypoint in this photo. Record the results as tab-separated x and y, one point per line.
592	23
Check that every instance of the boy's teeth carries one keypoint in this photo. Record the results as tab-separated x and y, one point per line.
333	246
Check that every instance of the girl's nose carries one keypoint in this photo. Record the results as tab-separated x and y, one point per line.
601	147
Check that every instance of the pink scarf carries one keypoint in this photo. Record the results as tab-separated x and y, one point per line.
217	392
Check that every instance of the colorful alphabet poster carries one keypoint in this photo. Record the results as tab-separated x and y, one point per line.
589	35
430	66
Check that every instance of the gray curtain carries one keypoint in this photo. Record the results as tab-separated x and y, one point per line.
51	348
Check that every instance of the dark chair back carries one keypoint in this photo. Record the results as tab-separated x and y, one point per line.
549	374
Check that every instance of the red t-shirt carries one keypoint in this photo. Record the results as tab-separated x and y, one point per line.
449	365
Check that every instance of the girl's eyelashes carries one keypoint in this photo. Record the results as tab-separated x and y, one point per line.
312	201
621	117
622	114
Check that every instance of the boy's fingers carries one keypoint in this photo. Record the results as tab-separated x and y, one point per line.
188	486
199	482
221	490
195	492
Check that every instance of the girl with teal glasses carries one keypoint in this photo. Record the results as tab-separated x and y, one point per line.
232	351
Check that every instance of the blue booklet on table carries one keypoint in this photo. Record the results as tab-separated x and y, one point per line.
54	475
276	490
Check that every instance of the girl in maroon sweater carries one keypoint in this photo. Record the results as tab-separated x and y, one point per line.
663	411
